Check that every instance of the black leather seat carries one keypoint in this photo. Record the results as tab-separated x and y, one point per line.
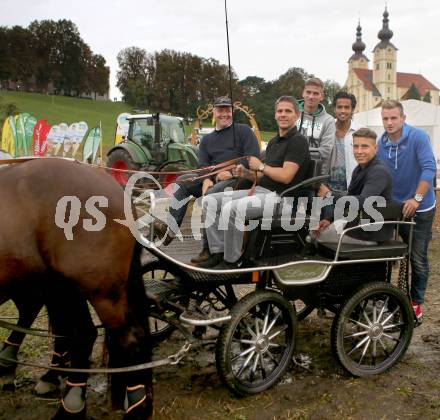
388	249
392	212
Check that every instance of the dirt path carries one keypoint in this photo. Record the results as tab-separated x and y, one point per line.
192	390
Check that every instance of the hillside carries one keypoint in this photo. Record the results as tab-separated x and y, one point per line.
57	109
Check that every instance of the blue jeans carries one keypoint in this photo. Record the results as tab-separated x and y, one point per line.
422	235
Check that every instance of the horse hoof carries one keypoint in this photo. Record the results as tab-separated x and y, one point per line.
7	382
141	412
45	388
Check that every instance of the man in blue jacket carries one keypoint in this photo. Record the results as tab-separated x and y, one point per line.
407	152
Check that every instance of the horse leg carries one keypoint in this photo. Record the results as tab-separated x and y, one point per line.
71	318
129	345
28	311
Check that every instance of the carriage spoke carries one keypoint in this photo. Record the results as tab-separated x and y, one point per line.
273	322
357	334
266	319
278	332
384	348
272	357
361	343
364	352
360	324
385	305
254	367
390	337
244	353
244	365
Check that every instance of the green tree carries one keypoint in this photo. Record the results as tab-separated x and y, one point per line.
412	93
427	96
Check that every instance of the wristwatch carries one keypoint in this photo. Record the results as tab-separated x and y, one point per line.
261	167
418	197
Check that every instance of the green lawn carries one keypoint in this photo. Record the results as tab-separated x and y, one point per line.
58	109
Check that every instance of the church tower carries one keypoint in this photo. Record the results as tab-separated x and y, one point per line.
384	63
358	60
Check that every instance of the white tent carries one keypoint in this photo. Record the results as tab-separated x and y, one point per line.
418	114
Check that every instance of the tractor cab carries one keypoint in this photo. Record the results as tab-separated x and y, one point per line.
153	143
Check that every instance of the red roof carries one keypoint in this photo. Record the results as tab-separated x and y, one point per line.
407	79
404	80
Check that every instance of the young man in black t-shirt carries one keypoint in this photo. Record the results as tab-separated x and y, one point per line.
286	164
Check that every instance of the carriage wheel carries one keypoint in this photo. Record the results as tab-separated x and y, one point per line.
373	329
151	272
255	347
166	180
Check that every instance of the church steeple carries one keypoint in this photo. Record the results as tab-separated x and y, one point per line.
385	62
385	34
358	59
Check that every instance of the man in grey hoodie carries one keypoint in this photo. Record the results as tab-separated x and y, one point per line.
315	123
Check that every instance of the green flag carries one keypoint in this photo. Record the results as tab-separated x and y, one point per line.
91	144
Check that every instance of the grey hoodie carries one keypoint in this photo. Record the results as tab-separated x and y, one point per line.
319	128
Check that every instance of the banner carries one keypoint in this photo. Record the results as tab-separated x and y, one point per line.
29	126
55	138
9	136
121	127
41	130
74	137
21	145
91	144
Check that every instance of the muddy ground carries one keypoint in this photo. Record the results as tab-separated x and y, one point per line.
323	390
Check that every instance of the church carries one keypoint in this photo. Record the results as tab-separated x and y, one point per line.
383	81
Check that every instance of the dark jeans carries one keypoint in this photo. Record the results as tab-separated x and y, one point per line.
180	199
422	234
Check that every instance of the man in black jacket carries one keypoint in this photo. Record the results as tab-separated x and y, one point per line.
370	180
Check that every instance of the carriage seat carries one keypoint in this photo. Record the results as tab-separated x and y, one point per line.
387	249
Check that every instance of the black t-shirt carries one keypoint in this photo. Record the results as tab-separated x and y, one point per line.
293	147
218	146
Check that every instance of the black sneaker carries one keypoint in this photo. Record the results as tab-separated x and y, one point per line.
225	265
212	261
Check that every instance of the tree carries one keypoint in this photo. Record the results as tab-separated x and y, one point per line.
412	93
330	89
427	96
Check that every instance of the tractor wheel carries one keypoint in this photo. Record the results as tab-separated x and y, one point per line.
121	159
166	180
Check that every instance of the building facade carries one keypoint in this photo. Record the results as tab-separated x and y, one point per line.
383	81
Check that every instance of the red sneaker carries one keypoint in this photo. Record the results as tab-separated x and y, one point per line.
417	310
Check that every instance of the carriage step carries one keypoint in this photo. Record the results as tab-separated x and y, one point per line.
198	319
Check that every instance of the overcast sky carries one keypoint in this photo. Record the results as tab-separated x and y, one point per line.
266	37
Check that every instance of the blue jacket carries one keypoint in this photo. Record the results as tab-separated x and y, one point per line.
409	160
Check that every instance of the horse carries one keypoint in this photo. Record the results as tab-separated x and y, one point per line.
64	235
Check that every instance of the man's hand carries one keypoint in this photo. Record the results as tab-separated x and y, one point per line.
207	183
224	175
409	208
323	224
254	163
241	172
323	190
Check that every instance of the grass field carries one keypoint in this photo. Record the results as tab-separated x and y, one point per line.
58	109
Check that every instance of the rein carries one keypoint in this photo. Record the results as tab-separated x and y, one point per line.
169	360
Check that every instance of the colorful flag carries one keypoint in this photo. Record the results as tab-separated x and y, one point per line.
9	136
41	131
91	144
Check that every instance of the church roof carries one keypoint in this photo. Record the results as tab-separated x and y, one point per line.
404	80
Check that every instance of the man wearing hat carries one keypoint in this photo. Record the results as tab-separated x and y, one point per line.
228	141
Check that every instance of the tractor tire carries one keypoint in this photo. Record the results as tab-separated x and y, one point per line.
121	160
166	180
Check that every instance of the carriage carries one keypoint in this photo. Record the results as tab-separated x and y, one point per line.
255	308
284	277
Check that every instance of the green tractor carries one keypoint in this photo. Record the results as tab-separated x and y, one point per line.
154	143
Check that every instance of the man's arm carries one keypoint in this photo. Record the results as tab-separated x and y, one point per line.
426	160
249	142
285	174
327	143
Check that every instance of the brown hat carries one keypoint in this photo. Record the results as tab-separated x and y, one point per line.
222	101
